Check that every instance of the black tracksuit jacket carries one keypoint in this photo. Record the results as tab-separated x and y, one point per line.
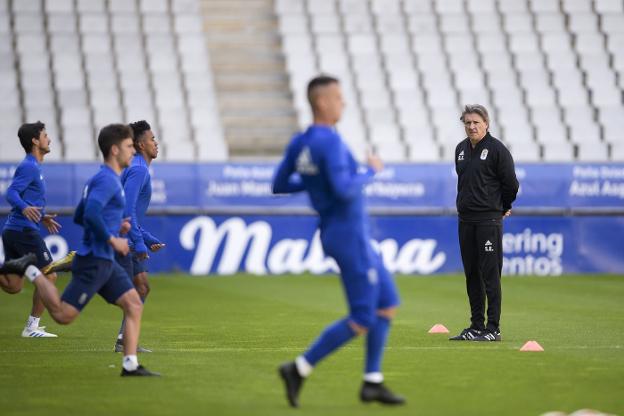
487	184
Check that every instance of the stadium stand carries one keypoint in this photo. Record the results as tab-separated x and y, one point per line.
80	64
551	72
221	79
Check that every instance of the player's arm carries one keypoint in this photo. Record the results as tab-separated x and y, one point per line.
152	242
95	200
24	175
79	213
344	184
132	187
285	180
507	176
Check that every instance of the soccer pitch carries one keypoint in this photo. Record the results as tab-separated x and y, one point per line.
218	342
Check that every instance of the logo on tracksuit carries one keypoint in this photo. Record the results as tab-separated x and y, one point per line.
461	155
304	164
489	247
484	154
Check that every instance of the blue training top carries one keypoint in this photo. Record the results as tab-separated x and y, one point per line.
26	189
137	184
100	212
329	173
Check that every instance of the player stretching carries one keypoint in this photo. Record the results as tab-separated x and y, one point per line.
137	185
330	175
94	269
20	235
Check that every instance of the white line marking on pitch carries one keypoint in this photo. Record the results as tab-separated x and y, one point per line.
289	349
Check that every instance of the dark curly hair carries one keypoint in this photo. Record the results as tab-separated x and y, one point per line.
139	128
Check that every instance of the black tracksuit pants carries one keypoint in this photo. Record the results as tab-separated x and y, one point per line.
482	256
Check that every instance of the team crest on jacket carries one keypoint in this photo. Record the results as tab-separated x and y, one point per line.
461	155
484	154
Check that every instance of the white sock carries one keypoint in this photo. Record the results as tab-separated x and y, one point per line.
119	336
130	362
32	273
303	366
374	377
32	323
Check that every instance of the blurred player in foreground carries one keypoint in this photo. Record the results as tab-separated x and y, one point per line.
334	181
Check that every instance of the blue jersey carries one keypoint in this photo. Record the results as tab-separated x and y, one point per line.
100	213
26	189
328	172
334	181
137	184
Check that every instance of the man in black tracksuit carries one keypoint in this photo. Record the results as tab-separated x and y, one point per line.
486	188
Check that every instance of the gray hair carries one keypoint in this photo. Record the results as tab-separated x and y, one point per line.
476	109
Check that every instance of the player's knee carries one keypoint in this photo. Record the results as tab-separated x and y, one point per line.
13	286
143	290
363	321
12	289
51	277
141	284
62	318
358	328
133	305
388	313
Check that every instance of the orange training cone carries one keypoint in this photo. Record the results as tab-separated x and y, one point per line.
438	329
531	346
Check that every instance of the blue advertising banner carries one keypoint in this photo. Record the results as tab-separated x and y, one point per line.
399	188
409	244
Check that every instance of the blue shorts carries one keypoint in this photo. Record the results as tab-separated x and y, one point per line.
19	243
91	275
131	264
367	283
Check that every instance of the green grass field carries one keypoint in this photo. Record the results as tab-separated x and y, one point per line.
218	342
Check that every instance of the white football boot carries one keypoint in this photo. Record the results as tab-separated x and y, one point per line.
38	332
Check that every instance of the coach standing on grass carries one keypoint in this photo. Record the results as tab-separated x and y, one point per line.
486	188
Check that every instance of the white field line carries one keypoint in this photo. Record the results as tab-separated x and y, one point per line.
297	349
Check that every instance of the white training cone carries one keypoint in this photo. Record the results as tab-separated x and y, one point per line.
438	329
531	346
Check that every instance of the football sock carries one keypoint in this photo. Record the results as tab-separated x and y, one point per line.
332	338
121	329
373	378
33	322
303	366
32	272
130	362
375	343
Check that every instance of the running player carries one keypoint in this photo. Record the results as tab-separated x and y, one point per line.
331	176
94	269
21	234
137	184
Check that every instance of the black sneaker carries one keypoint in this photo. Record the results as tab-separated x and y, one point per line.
377	392
18	266
489	336
292	381
139	372
468	334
